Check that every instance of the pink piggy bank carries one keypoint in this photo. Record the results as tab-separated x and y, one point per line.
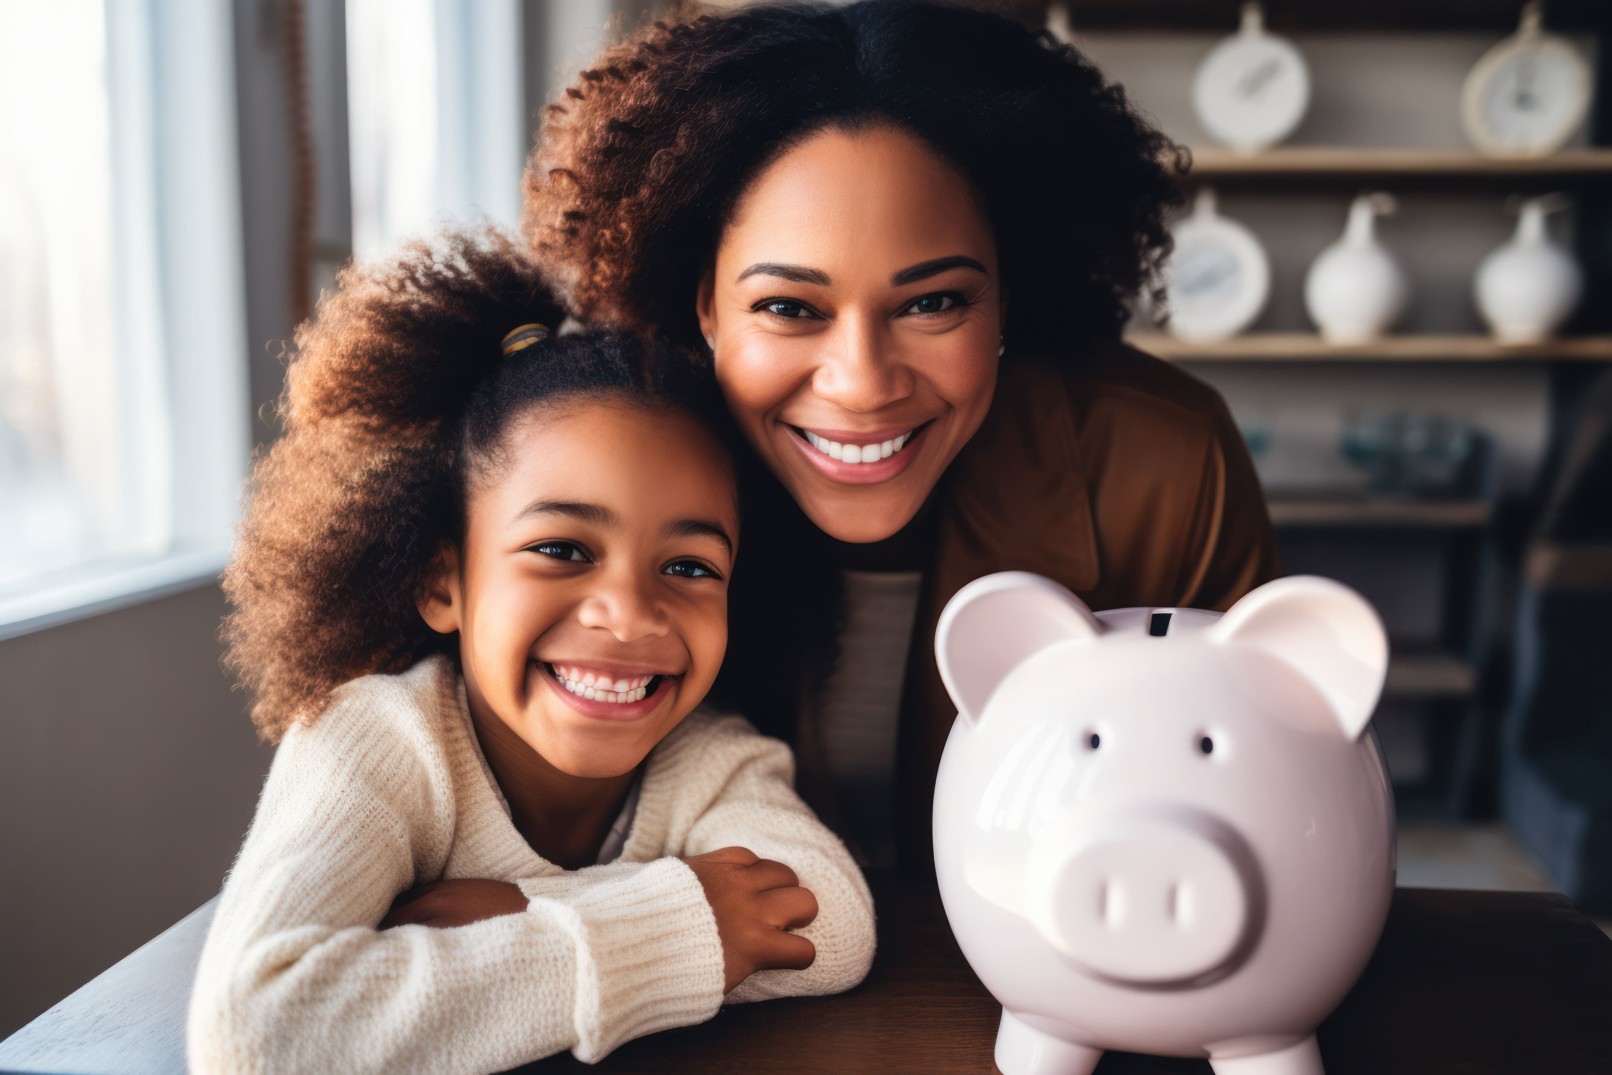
1163	831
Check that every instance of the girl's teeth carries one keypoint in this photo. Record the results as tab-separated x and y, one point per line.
602	688
857	453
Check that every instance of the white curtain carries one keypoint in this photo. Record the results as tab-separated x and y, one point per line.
62	428
435	121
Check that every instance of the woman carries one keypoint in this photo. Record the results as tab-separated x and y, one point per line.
905	233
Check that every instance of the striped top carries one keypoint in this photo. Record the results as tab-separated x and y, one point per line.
857	711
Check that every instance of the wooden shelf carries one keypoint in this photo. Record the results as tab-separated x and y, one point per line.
1358	511
1579	566
1430	675
1359	164
1308	347
1220	16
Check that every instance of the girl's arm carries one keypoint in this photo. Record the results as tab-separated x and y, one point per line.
295	975
737	805
757	809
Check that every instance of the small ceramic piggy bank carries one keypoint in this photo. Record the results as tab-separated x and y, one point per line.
1167	830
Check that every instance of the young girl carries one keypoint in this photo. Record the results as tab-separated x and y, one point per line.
479	592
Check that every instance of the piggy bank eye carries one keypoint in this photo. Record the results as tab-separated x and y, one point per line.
1093	741
1207	745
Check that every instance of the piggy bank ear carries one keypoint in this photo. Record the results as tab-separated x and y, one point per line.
1326	631
998	621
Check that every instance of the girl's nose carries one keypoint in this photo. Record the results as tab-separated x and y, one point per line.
626	609
861	371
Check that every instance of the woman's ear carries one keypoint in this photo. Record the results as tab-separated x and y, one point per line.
705	306
439	600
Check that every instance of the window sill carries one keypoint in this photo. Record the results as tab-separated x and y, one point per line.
104	587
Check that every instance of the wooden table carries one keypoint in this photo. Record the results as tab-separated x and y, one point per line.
1463	982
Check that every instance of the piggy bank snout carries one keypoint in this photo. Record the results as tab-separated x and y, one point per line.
1146	900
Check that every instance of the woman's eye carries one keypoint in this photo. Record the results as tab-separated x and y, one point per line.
938	303
559	550
787	308
691	569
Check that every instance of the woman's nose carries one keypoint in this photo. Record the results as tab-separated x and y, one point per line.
860	370
627	609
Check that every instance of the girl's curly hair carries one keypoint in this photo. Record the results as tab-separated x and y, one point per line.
396	401
642	160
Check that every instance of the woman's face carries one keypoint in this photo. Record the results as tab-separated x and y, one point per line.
590	595
855	313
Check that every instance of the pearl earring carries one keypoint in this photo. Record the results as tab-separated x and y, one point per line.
1002	350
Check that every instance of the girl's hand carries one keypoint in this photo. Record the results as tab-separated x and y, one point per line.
455	902
756	901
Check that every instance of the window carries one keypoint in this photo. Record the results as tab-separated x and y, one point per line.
123	406
434	116
58	377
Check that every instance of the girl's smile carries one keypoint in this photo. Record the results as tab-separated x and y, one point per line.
605	694
590	590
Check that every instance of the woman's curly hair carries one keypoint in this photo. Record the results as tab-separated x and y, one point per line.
641	161
396	401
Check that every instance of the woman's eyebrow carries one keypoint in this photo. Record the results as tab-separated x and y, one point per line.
700	528
799	274
925	269
588	513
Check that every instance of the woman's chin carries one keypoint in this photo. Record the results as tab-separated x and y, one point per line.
855	521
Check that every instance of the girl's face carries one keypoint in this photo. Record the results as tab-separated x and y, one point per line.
855	313
590	595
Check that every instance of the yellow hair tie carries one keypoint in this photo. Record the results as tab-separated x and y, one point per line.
525	336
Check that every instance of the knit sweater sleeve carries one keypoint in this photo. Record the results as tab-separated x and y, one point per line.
755	806
295	976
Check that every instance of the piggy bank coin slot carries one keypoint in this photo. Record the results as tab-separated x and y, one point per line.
1158	625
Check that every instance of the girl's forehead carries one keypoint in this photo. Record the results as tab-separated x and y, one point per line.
584	422
640	459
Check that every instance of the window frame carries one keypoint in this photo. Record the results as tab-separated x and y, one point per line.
179	302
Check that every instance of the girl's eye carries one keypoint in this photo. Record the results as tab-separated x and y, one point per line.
938	303
559	550
786	308
691	569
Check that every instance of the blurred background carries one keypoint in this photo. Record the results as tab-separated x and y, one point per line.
179	178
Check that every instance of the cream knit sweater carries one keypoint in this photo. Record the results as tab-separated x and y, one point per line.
389	789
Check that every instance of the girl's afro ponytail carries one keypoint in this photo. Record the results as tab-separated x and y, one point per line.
348	509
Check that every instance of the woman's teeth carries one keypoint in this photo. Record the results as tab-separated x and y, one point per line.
601	688
857	453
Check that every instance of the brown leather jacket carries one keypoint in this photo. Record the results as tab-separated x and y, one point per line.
1123	478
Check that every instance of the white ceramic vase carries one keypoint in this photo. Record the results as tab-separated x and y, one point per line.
1527	287
1356	290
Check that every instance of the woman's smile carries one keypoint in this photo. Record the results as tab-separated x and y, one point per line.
855	316
859	458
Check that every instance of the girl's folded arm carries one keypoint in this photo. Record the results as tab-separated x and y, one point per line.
296	976
757	808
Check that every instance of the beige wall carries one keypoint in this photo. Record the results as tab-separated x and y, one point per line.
128	774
